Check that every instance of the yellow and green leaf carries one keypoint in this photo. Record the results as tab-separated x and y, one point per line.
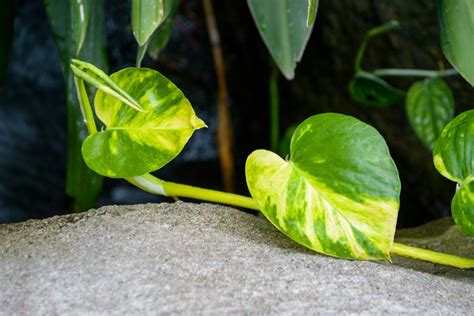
453	157
137	142
339	192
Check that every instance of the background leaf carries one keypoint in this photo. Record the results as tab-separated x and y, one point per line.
370	90
429	106
82	184
338	194
454	158
284	145
147	16
282	26
456	25
80	13
160	38
134	142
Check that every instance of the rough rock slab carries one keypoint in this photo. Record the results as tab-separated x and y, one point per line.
201	258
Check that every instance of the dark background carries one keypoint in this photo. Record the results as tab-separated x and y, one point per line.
32	100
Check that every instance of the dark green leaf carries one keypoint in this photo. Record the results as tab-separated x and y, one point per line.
82	184
453	157
338	194
282	25
162	35
80	13
456	25
134	142
429	106
160	38
284	146
370	90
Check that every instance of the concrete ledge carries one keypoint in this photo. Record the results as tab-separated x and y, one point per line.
202	258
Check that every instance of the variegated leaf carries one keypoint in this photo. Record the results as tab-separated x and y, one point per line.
136	142
453	156
338	194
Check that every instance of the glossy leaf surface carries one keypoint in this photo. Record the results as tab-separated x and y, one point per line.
456	24
283	27
429	107
135	142
147	16
338	194
454	158
370	90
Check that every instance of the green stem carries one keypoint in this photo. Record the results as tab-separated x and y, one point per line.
151	184
391	72
432	256
85	105
372	33
274	109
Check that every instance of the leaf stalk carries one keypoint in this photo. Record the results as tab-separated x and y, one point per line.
394	72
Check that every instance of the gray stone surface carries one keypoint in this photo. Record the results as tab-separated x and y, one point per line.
201	259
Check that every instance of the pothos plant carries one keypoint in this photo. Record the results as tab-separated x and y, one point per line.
430	107
79	31
337	194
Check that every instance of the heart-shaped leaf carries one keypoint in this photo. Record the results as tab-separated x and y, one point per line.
453	157
370	90
135	142
429	106
338	194
282	24
147	16
456	25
